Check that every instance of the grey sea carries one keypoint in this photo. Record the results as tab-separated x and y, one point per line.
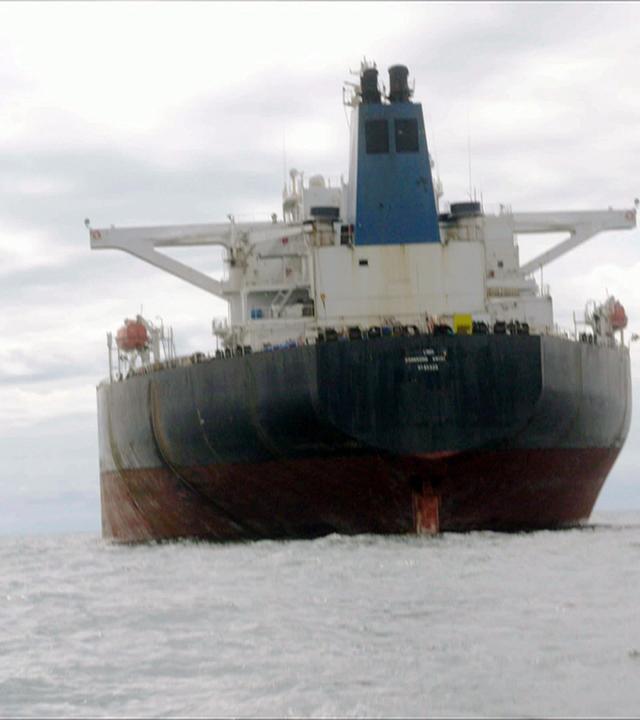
482	624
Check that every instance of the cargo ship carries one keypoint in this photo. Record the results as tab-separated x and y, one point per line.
387	365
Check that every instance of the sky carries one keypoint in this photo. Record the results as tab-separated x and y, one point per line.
157	113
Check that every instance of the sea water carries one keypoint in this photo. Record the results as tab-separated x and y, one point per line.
544	623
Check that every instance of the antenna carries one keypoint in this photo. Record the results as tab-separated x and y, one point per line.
469	154
284	154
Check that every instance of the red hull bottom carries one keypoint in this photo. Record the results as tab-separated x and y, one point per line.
503	490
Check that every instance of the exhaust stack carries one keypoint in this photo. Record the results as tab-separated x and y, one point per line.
369	86
399	84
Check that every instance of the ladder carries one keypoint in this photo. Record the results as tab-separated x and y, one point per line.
280	300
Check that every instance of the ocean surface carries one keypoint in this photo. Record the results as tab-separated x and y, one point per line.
545	623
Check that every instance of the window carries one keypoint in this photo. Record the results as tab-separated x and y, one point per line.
325	212
376	133
406	135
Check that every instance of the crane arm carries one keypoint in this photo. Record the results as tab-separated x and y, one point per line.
141	242
581	227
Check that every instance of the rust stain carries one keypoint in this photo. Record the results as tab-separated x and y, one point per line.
109	508
162	446
426	508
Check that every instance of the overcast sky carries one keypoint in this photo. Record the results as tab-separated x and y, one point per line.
173	113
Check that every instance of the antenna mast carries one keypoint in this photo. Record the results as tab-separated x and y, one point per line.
469	155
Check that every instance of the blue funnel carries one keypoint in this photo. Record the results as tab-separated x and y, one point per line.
395	201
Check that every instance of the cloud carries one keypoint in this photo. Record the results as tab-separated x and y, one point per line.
50	476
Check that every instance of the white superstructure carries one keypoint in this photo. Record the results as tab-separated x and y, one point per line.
287	281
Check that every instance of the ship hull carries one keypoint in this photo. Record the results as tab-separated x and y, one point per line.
394	435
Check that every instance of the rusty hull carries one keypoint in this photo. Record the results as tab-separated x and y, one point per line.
487	432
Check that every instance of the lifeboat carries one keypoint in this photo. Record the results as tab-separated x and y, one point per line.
618	316
132	336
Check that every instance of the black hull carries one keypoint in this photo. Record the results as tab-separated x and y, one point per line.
389	435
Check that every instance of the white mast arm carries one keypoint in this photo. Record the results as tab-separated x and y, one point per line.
142	241
581	226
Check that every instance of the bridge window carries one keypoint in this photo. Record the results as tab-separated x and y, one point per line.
406	135
323	212
376	133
